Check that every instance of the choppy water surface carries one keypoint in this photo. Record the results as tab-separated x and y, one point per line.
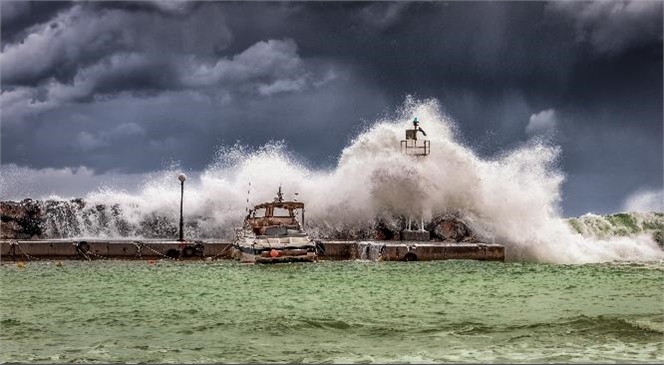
446	311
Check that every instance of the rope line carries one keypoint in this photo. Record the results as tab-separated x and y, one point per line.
83	250
157	252
29	257
139	249
221	252
96	255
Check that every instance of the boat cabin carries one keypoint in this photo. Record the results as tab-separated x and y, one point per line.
275	218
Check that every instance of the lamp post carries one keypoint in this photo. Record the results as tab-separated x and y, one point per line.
182	178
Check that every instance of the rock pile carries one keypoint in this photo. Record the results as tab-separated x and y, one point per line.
21	220
451	228
32	219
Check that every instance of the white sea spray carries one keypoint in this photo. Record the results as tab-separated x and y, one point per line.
511	199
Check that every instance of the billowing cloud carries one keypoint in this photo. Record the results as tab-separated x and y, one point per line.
95	51
614	25
85	35
18	182
542	123
173	6
17	17
86	141
267	66
383	14
62	45
131	85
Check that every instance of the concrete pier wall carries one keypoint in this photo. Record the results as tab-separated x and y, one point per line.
338	250
158	249
444	251
96	249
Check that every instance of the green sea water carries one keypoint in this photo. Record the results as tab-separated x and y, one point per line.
331	312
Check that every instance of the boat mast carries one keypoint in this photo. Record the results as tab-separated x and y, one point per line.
280	195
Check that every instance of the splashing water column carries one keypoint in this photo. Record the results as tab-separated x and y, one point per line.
410	147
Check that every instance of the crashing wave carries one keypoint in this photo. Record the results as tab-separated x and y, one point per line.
512	199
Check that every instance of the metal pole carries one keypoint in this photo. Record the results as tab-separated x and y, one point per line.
181	214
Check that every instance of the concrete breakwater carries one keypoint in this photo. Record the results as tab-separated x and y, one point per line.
60	219
34	230
27	250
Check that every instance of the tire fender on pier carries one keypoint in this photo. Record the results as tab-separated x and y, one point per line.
82	247
410	256
188	251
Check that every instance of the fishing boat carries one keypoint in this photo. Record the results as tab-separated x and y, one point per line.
271	233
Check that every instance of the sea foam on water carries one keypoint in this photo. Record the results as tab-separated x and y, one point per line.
512	199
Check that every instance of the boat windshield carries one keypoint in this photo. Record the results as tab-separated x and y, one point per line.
272	212
281	212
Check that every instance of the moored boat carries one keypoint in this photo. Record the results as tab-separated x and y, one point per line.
272	233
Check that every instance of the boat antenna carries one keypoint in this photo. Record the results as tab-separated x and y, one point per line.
280	195
246	208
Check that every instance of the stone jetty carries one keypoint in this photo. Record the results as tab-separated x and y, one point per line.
35	230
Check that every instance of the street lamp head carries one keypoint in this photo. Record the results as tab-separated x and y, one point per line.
182	177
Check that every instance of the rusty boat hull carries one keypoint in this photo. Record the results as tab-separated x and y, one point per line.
272	233
271	249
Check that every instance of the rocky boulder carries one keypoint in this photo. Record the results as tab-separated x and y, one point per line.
22	220
450	228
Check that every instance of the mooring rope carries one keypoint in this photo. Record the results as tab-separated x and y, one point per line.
96	255
158	253
12	249
139	249
29	257
86	256
221	252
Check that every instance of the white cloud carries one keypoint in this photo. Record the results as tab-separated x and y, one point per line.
79	38
645	201
612	26
88	142
282	86
64	40
129	129
383	15
172	6
267	66
542	123
19	102
17	183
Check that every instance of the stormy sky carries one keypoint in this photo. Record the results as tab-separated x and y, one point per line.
112	91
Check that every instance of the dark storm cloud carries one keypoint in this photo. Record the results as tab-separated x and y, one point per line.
17	16
86	36
165	7
130	86
613	26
